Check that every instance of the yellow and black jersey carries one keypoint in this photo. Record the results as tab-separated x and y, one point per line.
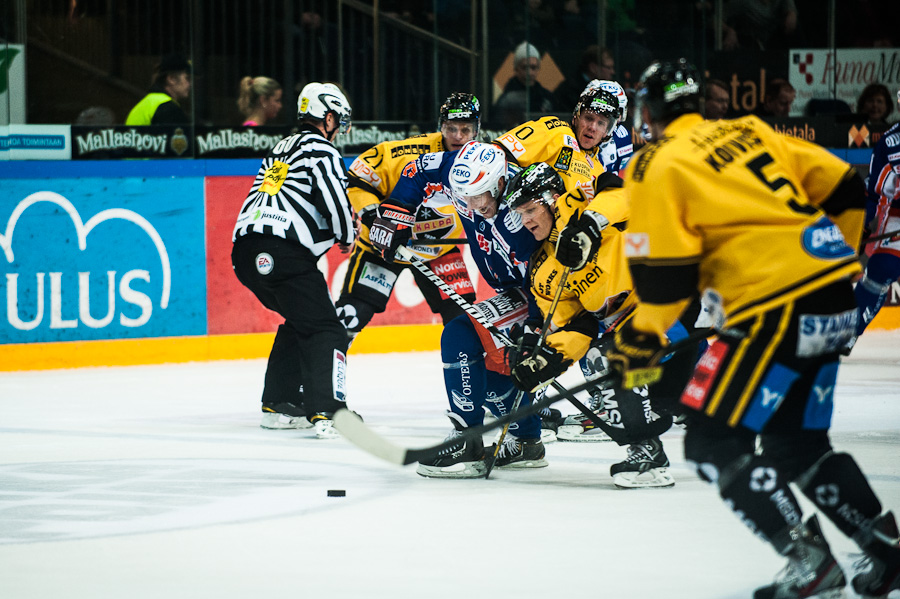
737	212
375	172
551	140
593	294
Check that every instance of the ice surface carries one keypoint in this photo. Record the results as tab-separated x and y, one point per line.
156	481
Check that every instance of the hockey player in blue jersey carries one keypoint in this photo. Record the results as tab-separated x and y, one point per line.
475	373
883	267
615	152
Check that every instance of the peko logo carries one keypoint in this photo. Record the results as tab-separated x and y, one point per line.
124	293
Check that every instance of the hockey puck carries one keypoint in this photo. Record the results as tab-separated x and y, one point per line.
337	493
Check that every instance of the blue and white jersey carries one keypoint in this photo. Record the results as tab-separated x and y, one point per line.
615	153
500	246
884	175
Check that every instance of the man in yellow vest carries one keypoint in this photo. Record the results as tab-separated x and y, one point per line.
171	87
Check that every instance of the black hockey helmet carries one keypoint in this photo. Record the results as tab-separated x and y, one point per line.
461	107
536	183
668	89
602	102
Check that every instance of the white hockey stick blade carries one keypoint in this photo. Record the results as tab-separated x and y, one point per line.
355	430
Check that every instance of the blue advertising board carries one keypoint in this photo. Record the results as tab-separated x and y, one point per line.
100	258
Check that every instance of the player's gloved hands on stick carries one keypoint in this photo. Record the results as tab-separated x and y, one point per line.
539	369
391	228
525	338
580	239
634	356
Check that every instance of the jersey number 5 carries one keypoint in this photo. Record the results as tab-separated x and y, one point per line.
756	167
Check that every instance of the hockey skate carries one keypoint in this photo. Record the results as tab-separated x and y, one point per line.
324	424
580	428
465	460
881	564
519	453
811	571
550	419
645	466
284	415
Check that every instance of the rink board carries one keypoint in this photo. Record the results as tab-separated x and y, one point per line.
128	262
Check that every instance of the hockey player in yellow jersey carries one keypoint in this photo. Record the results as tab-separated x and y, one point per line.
596	297
764	226
370	280
570	148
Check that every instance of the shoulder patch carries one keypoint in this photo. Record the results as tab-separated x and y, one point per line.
274	178
564	159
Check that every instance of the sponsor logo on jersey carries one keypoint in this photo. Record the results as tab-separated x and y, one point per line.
432	161
378	278
694	395
564	160
625	150
892	140
637	245
264	263
409	149
274	178
339	376
554	123
825	334
824	240
894	157
512	144
365	172
585	280
410	170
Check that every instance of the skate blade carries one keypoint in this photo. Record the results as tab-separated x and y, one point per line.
654	478
458	470
541	463
577	434
284	422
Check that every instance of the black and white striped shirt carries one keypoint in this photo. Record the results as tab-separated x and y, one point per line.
300	194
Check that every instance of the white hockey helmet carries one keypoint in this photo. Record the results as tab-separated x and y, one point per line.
318	99
477	168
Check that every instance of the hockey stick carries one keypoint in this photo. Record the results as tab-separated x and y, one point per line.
451	241
874	238
546	327
357	432
406	255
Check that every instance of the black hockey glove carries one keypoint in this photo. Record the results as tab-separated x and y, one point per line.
539	369
634	356
391	228
524	338
580	239
368	215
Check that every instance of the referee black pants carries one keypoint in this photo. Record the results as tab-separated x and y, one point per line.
309	351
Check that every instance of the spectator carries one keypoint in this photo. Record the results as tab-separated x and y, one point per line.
259	100
96	116
717	98
170	88
596	63
523	94
875	103
778	99
759	24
